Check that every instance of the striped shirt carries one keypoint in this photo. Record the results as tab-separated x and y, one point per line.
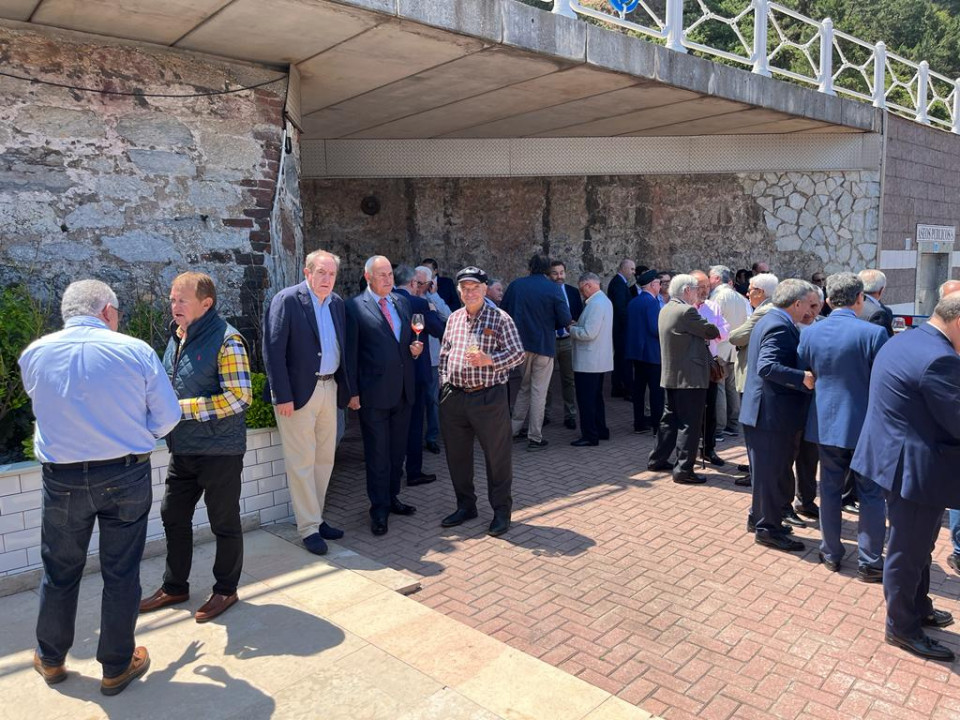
493	332
233	367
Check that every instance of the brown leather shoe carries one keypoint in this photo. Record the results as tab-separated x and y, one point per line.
137	667
216	605
161	599
50	675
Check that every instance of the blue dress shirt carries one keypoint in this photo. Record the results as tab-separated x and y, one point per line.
97	394
329	347
392	309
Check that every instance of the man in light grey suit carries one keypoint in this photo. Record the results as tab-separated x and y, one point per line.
592	357
685	375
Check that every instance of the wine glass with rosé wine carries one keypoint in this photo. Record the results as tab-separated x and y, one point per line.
416	324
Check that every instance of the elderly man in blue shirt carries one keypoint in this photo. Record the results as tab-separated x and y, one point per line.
101	400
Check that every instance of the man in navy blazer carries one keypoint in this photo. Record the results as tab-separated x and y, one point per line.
840	350
643	350
620	292
380	355
774	409
304	345
910	446
446	288
538	309
411	285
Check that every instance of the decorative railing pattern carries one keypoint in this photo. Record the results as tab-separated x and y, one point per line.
772	39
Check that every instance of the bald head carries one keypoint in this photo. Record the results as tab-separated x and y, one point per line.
948	288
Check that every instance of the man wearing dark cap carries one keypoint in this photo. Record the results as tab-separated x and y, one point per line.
480	346
643	350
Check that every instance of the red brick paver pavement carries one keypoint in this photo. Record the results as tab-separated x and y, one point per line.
654	591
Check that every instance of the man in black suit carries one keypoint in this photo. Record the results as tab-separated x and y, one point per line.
874	283
412	285
619	292
380	358
304	335
564	364
446	288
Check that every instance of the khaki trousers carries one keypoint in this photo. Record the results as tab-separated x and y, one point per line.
532	398
309	439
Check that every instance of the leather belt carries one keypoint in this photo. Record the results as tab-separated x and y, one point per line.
127	460
474	389
324	377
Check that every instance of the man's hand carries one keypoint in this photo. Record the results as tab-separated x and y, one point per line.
285	409
479	359
354	403
809	380
416	348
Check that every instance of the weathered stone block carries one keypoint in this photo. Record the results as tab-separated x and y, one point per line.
162	162
154	129
59	123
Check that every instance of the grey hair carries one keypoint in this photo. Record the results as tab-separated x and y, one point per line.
368	265
86	297
588	277
312	258
403	275
791	290
873	280
423	269
624	262
722	272
765	281
495	281
843	288
948	309
680	283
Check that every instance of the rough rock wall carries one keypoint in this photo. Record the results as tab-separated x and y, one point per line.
134	190
799	223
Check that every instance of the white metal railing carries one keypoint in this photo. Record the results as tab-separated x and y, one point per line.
770	38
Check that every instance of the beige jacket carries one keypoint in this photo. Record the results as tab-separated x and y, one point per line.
740	339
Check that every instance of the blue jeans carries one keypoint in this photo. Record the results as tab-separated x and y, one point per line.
433	406
118	498
955	530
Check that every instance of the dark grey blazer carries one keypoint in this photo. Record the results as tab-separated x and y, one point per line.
683	346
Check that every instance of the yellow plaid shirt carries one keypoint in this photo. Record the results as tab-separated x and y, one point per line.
233	366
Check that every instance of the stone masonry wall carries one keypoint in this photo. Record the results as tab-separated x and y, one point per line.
799	223
134	190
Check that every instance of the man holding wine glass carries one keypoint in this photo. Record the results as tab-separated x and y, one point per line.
480	346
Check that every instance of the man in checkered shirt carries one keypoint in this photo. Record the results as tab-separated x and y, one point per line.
207	362
480	346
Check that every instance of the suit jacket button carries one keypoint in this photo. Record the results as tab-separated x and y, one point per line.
317	374
319	354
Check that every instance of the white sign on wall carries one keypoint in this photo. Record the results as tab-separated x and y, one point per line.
936	238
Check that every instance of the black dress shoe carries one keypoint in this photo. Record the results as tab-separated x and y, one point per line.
583	442
458	517
660	466
791	518
714	459
743	468
922	646
954	562
378	527
604	434
937	618
829	564
399	508
432	447
500	524
688	478
421	479
780	542
807	511
786	529
868	574
520	436
852	508
535	446
743	481
643	430
570	424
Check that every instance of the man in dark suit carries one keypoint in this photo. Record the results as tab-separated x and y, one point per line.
840	351
774	408
874	311
539	309
412	285
304	339
619	293
446	288
643	350
380	358
564	363
910	446
685	374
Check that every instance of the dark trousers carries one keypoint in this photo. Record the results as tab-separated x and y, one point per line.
217	478
807	460
871	523
485	416
117	498
906	574
622	381
850	496
771	455
680	428
415	433
385	433
710	420
646	379
593	415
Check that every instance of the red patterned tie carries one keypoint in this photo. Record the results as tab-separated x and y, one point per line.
386	314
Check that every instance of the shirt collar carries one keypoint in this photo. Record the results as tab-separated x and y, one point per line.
85	321
376	297
317	301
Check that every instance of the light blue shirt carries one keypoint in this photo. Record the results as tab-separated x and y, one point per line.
392	309
97	394
329	347
563	332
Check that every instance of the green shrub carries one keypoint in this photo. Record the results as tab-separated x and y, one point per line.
22	320
260	413
149	322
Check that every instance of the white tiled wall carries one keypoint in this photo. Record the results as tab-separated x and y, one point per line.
264	493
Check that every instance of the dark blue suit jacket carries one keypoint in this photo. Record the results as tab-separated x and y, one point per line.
381	367
643	330
538	310
619	293
291	348
576	302
774	396
432	325
447	290
911	439
840	350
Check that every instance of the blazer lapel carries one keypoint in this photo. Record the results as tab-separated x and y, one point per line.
374	307
306	304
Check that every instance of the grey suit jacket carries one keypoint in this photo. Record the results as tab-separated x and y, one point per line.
740	339
683	346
